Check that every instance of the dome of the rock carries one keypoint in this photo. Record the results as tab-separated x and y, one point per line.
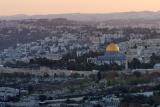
112	47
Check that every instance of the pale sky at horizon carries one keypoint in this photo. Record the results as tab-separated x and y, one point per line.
32	7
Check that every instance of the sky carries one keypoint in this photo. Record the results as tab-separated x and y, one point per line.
33	7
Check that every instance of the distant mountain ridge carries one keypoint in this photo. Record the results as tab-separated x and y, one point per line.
147	15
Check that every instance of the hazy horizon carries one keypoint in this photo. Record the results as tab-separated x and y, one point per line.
79	13
43	7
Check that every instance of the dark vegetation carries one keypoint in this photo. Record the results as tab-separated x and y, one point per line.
73	62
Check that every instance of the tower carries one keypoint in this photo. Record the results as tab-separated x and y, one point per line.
126	65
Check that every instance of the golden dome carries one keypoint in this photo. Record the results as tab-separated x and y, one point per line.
112	48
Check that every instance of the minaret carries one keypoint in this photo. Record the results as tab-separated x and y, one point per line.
126	65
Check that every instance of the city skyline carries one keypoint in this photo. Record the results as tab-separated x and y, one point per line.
33	7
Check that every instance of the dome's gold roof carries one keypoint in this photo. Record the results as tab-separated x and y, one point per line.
112	47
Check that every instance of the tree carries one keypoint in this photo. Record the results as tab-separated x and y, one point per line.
99	76
75	75
42	97
97	105
30	89
154	59
137	74
46	75
135	63
55	75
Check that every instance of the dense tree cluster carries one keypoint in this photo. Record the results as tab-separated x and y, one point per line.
72	62
136	64
136	100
